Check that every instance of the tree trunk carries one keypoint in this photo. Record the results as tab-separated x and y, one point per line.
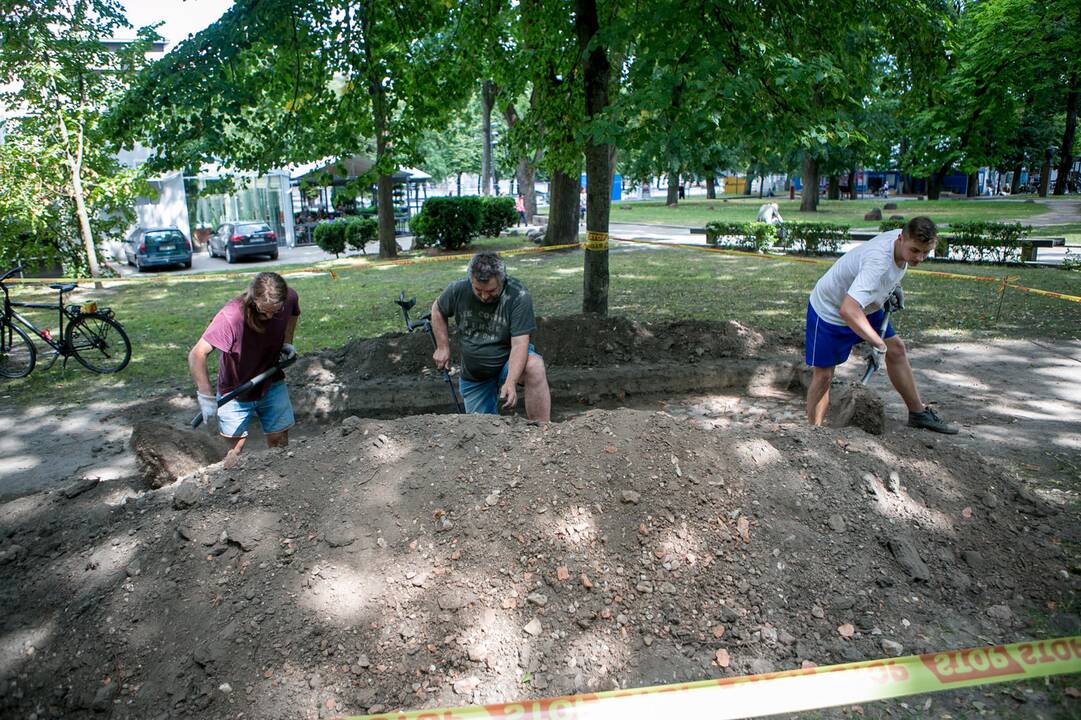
1045	171
524	173
1015	182
934	183
809	199
459	184
596	71
852	194
562	210
487	100
711	187
75	167
748	181
673	189
833	191
388	245
973	188
1066	153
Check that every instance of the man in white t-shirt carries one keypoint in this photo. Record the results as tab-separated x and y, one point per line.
846	308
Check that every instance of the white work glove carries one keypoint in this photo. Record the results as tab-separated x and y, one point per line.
878	358
208	405
288	352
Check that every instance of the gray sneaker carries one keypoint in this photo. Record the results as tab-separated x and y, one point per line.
930	420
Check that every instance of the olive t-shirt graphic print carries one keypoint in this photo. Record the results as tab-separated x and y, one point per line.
485	329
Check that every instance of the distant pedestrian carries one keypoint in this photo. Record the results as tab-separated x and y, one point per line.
519	205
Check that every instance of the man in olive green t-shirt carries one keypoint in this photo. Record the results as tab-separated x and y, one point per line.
495	319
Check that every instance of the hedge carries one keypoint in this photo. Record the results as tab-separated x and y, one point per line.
359	231
756	236
330	236
800	237
986	241
451	222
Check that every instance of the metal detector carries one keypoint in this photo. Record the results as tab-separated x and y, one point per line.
426	323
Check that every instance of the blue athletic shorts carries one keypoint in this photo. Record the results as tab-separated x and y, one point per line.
827	345
274	411
482	396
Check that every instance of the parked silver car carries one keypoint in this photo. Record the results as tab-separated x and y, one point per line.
234	240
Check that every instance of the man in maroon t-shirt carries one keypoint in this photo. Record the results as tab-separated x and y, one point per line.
252	332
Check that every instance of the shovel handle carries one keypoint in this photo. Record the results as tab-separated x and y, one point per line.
245	387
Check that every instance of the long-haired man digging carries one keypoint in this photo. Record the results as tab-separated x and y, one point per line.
846	309
252	332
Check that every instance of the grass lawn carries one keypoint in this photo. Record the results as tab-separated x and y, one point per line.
697	212
648	283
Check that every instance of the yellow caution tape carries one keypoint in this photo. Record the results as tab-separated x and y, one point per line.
789	691
1007	282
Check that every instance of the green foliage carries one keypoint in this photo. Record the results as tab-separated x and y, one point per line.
359	231
496	215
330	236
887	225
449	222
814	238
989	241
756	236
63	191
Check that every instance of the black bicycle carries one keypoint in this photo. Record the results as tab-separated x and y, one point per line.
91	335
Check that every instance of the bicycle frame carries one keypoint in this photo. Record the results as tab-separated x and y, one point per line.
56	342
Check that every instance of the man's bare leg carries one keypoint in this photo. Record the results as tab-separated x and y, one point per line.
900	374
233	455
538	398
818	395
278	439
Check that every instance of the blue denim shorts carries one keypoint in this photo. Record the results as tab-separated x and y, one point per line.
482	396
827	345
274	411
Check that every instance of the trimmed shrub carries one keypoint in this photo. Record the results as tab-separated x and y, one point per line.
330	236
887	225
989	241
754	236
359	231
496	215
815	238
449	222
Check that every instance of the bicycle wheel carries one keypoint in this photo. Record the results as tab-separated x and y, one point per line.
17	353
99	343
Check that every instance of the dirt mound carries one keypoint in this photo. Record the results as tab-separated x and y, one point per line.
576	340
439	560
164	453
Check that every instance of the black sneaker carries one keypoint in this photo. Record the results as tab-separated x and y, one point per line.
930	420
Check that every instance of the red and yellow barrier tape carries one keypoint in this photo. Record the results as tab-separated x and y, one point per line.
789	691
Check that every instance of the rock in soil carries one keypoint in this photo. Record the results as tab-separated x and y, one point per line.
858	406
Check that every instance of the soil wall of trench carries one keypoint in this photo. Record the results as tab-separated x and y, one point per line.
589	361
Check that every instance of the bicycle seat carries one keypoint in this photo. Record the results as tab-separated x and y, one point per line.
62	287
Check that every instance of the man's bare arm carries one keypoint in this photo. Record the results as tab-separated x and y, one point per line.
197	365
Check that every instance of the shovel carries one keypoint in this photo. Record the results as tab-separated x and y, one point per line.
895	301
241	389
426	323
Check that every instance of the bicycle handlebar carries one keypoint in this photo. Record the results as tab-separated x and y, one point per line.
11	272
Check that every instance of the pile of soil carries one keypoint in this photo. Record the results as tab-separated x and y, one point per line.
442	560
572	341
